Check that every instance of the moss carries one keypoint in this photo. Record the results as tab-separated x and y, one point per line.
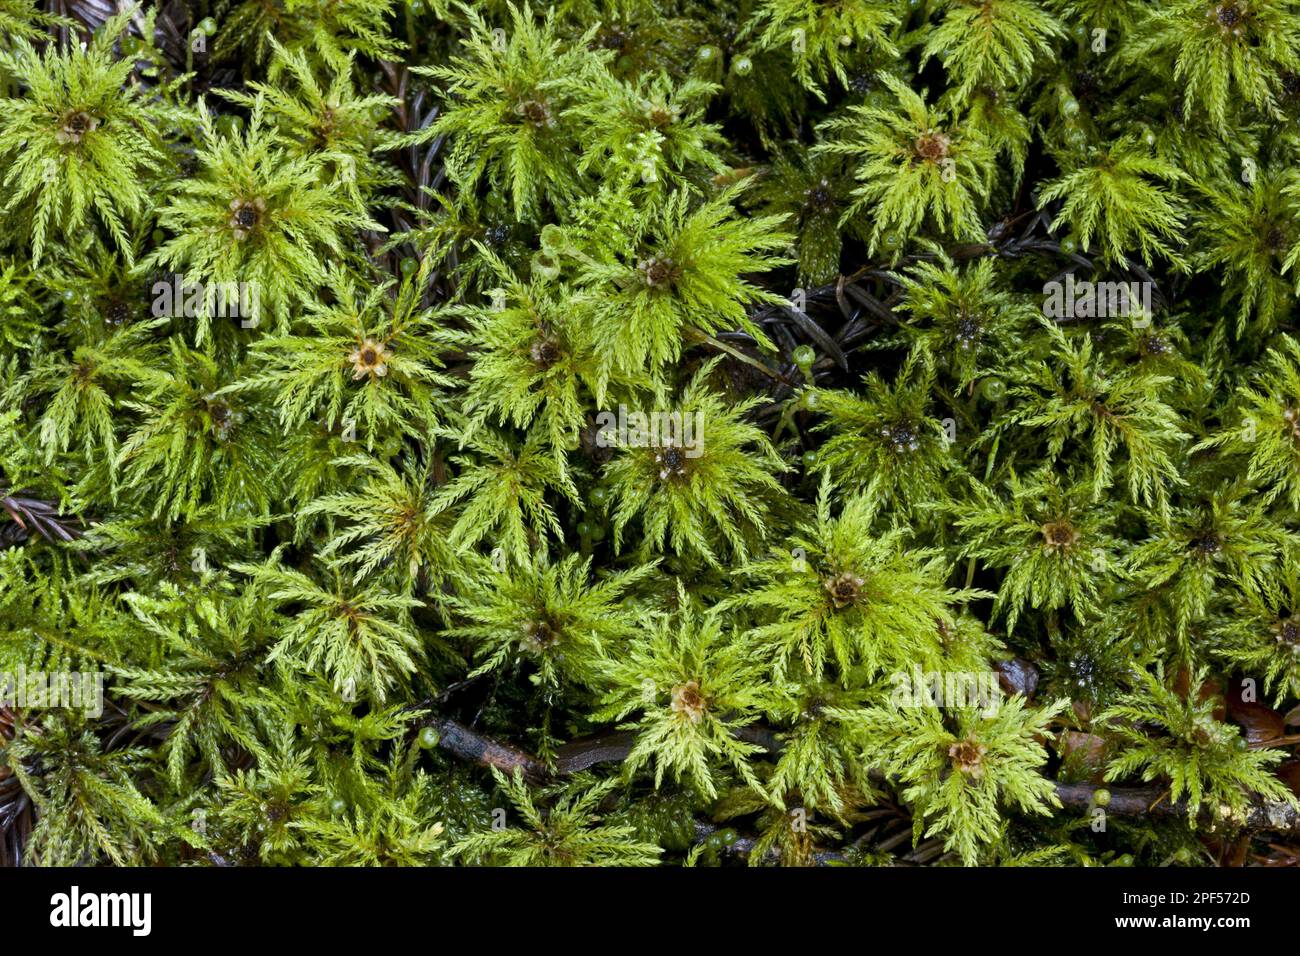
649	433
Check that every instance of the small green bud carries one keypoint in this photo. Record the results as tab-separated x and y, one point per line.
804	356
208	26
408	266
600	495
1069	245
553	239
993	389
338	806
429	738
1101	797
743	66
810	460
584	529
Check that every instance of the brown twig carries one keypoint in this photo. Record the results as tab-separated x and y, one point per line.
462	742
1149	801
614	746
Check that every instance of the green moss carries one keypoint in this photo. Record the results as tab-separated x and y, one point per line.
650	432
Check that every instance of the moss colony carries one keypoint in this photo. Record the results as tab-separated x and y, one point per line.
650	432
